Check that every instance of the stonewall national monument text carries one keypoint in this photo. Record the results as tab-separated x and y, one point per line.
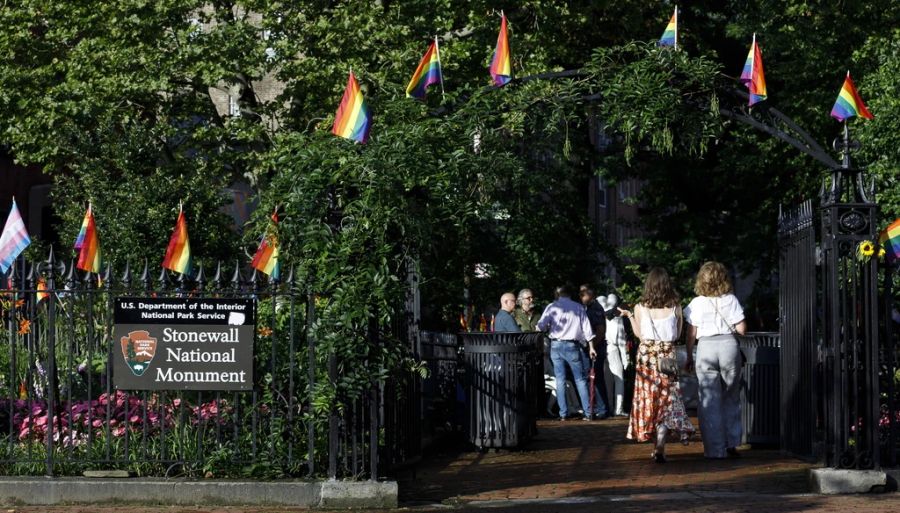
183	344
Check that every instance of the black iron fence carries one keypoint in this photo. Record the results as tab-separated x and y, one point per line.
889	369
442	401
60	413
798	301
839	365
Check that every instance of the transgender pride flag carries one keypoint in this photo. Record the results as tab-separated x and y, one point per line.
14	239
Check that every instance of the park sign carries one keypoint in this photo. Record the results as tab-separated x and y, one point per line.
183	343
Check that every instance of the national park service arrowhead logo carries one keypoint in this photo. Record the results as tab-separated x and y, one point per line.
138	348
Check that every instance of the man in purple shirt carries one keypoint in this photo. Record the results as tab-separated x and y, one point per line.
569	329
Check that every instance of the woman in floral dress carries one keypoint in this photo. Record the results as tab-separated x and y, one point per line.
657	411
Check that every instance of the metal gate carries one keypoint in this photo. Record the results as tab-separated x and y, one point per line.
798	328
839	354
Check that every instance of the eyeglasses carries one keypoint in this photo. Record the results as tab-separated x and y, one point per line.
528	298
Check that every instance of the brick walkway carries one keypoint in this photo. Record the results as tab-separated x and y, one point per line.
582	459
580	467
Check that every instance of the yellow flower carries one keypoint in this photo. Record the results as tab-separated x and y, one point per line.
264	331
866	248
24	327
881	252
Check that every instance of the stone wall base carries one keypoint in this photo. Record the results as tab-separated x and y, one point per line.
832	481
184	492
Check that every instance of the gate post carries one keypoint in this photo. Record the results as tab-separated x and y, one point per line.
850	320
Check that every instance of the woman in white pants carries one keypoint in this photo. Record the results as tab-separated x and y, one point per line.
616	353
715	317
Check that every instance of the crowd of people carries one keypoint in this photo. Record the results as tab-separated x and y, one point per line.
589	337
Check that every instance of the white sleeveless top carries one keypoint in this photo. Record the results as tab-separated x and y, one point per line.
666	328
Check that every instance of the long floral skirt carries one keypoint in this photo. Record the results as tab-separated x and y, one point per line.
657	397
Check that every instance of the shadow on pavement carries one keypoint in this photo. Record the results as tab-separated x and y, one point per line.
581	459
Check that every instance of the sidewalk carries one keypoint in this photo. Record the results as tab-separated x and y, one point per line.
581	467
585	459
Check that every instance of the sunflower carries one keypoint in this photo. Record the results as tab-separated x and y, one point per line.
866	248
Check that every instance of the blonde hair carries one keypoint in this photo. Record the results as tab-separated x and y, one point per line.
712	280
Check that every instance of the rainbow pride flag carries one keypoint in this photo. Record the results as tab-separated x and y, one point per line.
753	75
501	68
178	253
88	244
890	240
41	291
428	72
14	238
670	35
353	119
849	103
266	258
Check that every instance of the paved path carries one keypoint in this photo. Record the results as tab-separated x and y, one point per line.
580	467
585	459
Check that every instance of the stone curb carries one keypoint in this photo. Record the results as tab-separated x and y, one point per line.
40	491
832	481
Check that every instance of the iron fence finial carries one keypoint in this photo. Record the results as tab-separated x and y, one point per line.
217	278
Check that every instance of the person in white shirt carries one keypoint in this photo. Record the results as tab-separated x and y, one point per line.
569	328
616	353
715	317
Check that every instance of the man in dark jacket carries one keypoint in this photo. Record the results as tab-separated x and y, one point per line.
595	353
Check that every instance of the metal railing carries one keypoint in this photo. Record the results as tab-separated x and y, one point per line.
798	301
60	413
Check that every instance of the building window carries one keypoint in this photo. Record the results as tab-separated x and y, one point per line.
601	192
628	190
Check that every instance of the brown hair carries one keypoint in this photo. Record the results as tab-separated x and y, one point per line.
712	280
658	290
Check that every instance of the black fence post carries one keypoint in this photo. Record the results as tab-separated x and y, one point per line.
311	376
51	362
851	335
333	432
373	400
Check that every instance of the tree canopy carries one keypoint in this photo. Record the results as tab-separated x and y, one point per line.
117	101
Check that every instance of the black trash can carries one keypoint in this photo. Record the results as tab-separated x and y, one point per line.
503	381
761	388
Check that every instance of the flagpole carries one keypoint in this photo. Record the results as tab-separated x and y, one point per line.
437	50
676	27
845	163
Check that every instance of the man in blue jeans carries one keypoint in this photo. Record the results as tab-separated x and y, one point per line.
569	329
